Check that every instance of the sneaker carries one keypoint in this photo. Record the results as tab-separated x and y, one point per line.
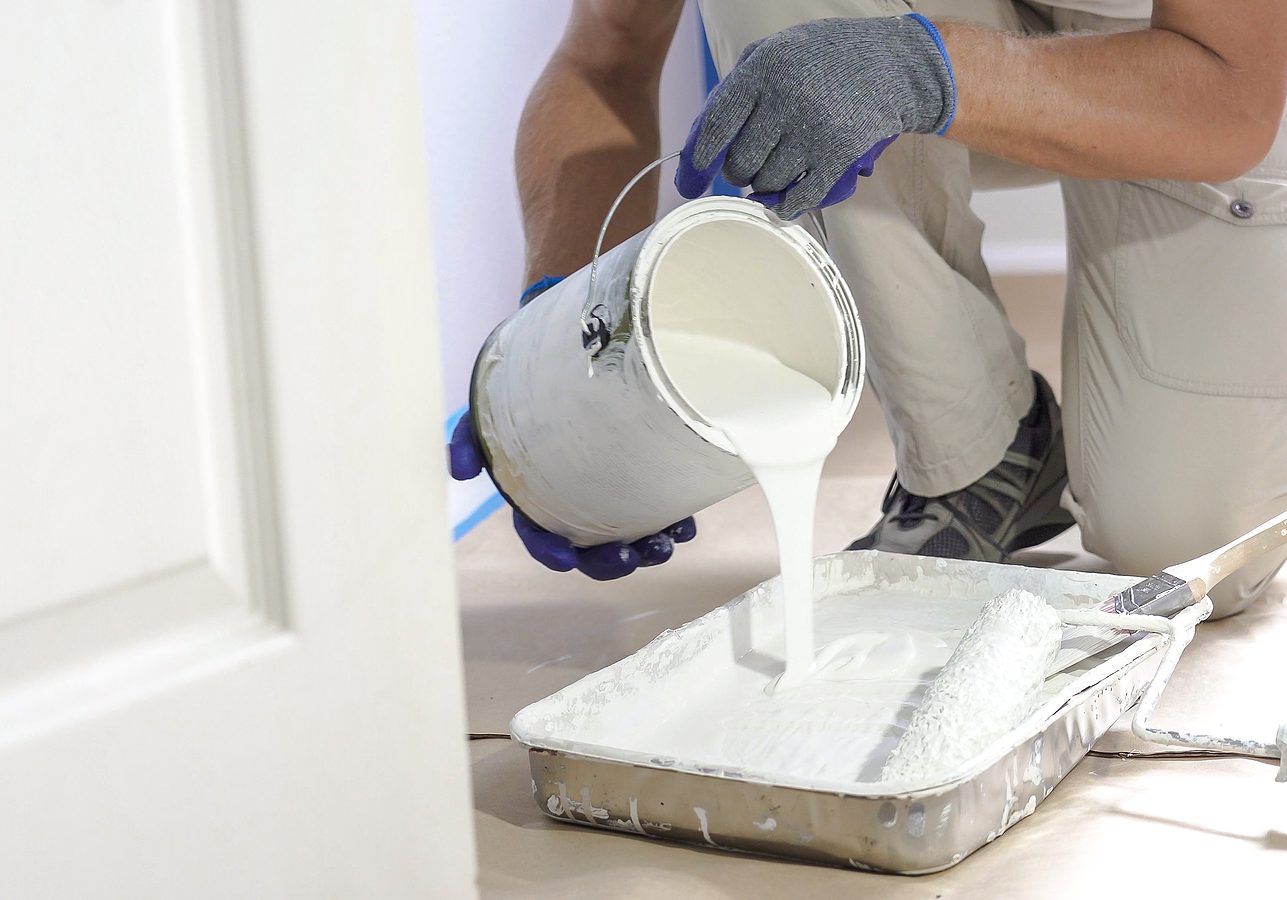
1015	505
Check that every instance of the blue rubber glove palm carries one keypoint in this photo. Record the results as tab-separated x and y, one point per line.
602	563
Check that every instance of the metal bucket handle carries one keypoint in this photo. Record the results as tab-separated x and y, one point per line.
596	327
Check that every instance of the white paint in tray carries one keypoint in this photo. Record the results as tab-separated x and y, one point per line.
695	699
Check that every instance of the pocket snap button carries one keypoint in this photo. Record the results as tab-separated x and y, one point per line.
1242	209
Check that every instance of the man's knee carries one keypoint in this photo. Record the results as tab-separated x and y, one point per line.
1239	590
1144	538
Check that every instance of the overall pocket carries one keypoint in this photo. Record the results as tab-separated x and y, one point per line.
1201	283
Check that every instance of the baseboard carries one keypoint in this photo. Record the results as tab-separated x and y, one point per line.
1026	257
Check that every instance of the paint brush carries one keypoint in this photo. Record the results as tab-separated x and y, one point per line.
1174	588
1171	590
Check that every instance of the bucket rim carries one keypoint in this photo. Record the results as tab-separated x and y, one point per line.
851	375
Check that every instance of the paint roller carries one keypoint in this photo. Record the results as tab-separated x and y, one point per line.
992	679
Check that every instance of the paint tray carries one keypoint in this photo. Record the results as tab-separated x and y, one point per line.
680	741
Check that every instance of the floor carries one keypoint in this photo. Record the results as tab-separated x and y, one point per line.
1199	825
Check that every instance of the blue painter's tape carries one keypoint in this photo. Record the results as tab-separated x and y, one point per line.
480	513
709	71
719	187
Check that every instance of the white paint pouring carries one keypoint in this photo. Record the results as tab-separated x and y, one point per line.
783	425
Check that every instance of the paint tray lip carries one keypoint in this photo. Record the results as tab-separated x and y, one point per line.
527	729
1032	726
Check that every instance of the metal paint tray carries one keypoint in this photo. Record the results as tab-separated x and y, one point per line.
600	749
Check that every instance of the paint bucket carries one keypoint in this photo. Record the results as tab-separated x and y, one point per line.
582	428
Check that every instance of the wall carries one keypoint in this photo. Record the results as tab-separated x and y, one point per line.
478	62
1024	232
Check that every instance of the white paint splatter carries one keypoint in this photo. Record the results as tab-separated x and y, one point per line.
588	809
705	826
1027	810
769	824
916	820
549	662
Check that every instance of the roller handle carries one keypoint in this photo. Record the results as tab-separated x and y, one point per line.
1205	572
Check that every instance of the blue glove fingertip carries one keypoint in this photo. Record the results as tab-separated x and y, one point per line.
654	549
771	199
788	205
683	531
607	562
550	550
464	456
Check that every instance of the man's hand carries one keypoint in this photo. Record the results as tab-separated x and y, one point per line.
602	563
806	111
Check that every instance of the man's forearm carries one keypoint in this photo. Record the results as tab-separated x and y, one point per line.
1143	104
578	143
590	124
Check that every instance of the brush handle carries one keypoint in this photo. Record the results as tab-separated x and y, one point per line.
1166	593
1207	571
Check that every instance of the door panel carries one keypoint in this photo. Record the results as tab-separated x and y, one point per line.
91	186
229	660
139	505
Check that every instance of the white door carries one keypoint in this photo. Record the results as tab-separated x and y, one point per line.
229	663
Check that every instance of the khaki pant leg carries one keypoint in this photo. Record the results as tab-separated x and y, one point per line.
949	370
1175	365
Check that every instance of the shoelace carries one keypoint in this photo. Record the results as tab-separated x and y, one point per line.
913	510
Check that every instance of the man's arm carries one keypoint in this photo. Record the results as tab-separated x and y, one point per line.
589	125
1198	97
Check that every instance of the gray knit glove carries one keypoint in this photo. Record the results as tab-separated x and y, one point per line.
806	111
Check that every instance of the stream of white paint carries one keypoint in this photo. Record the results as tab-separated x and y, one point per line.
783	424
